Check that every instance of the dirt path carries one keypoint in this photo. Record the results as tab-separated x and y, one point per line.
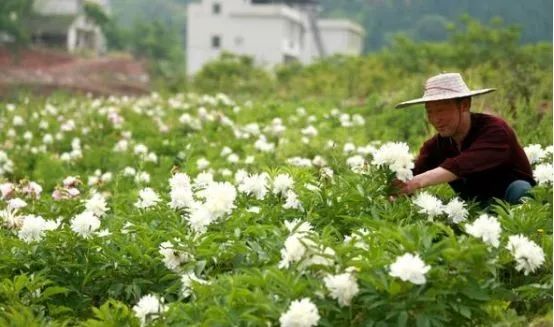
44	71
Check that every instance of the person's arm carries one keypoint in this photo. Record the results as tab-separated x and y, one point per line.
491	149
434	176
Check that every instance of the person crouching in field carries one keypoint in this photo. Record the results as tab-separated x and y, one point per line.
477	154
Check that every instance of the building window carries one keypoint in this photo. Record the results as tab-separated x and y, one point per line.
289	59
216	8
216	41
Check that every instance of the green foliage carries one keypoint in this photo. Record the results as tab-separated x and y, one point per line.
487	55
424	19
112	314
162	46
12	23
95	12
231	74
156	43
65	279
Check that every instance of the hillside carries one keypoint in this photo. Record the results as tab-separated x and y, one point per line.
424	20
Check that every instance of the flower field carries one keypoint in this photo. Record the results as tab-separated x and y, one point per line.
197	210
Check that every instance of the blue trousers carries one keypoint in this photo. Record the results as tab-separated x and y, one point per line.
516	191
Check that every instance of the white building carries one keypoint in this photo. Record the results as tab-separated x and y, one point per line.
272	33
63	23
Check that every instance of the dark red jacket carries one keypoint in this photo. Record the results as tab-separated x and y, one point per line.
490	159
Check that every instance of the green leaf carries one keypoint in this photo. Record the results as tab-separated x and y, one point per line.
53	290
402	319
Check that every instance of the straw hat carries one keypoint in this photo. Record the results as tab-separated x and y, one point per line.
442	87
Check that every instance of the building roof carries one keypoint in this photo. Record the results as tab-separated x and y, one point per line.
340	24
276	10
51	24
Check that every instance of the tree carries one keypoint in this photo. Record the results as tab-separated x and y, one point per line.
12	16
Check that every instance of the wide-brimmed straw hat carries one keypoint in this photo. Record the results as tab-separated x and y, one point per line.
442	87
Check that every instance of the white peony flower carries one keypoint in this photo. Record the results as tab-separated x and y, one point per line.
282	183
151	157
149	308
142	177
357	238
528	255
544	174
317	255
181	191
297	226
252	128
358	120
343	287
255	184
85	224
7	190
103	233
219	198
309	131
299	162
140	149
233	158
27	136
396	156
202	163
32	189
293	251
254	209
18	121
147	198
356	163
456	211
534	153
47	139
319	161
299	247
291	201
129	171
410	268
348	148
33	228
226	151
240	175
486	228
366	150
121	146
301	313
11	219
172	258
203	179
16	203
97	205
71	181
429	205
187	280
199	218
263	145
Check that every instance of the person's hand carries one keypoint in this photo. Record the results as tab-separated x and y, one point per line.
410	186
396	189
399	187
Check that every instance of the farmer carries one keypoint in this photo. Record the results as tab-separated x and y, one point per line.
477	154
